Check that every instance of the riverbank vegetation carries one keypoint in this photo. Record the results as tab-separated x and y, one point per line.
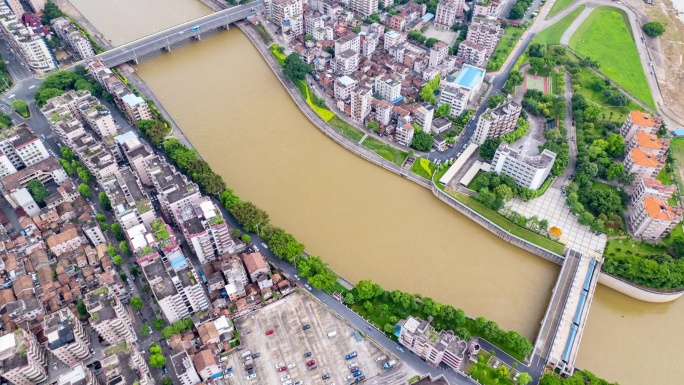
606	38
386	151
386	308
580	377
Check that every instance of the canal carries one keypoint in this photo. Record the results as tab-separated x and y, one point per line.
364	221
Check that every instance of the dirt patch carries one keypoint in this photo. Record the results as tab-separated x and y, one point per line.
672	47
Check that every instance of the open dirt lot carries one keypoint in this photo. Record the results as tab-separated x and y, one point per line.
289	342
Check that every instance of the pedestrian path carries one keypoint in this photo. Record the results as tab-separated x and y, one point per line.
565	39
362	139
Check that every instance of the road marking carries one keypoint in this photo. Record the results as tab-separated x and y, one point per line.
32	87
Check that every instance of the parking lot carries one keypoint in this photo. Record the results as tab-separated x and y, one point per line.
288	343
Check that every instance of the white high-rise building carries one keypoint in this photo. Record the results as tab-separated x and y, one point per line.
23	361
66	337
527	171
73	37
361	103
32	47
447	12
497	122
288	15
364	7
21	146
388	87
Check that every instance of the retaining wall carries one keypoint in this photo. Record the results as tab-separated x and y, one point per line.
610	281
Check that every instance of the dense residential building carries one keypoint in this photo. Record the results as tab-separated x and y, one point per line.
440	125
346	62
471	53
497	122
644	163
527	171
128	199
447	12
639	121
370	44
485	32
364	7
205	229
22	360
436	348
645	187
16	7
361	103
32	47
455	96
64	242
173	189
649	142
45	170
175	285
388	87
37	5
91	229
438	52
404	134
256	265
136	108
206	365
73	37
123	364
78	375
343	87
348	42
66	337
653	218
21	147
236	278
383	112
393	38
109	317
424	115
184	369
288	15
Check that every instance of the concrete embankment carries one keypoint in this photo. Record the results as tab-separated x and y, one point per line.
610	281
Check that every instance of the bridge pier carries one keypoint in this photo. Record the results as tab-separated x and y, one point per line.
167	48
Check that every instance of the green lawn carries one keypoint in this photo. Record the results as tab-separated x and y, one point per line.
346	129
619	113
513	31
305	90
605	37
476	184
485	374
501	52
386	151
665	176
280	58
558	6
620	246
677	151
502	222
553	34
424	168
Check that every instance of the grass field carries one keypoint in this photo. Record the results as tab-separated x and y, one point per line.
501	52
280	58
304	89
558	6
386	151
553	34
346	129
605	37
424	168
677	150
665	176
619	113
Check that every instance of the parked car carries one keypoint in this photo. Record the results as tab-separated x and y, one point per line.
307	286
269	332
290	365
307	354
285	377
282	369
311	363
256	355
165	369
264	245
326	376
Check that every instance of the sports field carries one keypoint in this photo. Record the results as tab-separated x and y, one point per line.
605	36
535	82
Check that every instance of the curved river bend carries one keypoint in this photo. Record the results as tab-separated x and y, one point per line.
364	221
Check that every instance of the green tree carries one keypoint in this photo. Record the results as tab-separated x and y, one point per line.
678	245
84	175
84	190
349	298
82	310
146	289
427	94
364	289
388	328
168	332
155	349
285	246
431	41
616	145
524	378
5	120
158	323
42	96
653	29
21	107
246	238
537	50
249	216
443	110
502	371
489	147
157	361
123	246
104	201
167	381
229	199
614	171
495	100
503	192
145	330
111	250
373	126
367	306
236	233
118	232
537	64
422	141
100	217
136	303
37	190
517	12
67	154
295	68
118	260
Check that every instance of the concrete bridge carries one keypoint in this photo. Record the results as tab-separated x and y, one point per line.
563	324
168	38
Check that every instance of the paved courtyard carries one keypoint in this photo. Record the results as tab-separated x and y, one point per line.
551	206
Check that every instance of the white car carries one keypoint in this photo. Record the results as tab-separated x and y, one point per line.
296	277
228	375
353	364
285	378
280	365
291	365
264	245
307	286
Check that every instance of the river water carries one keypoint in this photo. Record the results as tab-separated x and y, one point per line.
364	221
